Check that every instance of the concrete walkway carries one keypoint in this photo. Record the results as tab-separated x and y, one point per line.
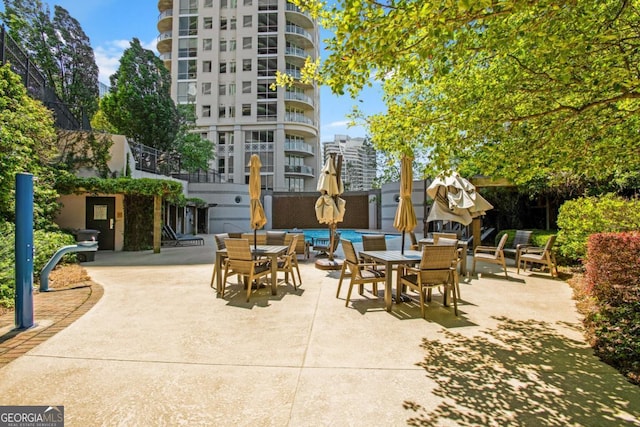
160	349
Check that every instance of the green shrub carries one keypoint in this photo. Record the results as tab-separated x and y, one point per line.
613	268
46	243
579	218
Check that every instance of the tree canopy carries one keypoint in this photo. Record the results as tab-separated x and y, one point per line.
544	93
139	103
61	50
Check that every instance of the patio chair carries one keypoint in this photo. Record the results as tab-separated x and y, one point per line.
322	245
521	240
415	246
276	237
443	241
170	237
360	273
219	239
240	261
288	263
373	242
543	256
491	254
436	268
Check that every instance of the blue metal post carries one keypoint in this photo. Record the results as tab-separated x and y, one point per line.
24	251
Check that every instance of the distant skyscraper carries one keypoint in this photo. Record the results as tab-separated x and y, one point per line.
358	161
103	89
223	56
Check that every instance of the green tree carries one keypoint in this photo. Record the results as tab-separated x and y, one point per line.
27	145
195	151
61	50
544	93
139	104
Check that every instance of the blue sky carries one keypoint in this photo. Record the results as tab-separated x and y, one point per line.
112	24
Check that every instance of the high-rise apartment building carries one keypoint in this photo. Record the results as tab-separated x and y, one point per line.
223	56
358	161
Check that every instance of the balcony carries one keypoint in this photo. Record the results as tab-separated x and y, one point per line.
164	42
165	20
298	17
298	118
299	99
164	5
298	35
299	148
299	170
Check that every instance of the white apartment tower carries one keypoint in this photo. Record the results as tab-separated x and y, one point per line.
358	161
223	56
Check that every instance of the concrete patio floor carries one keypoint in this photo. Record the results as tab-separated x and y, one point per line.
159	348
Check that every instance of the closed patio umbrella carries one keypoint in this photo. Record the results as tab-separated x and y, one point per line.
405	219
330	208
455	199
258	218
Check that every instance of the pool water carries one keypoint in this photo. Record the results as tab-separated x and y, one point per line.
309	235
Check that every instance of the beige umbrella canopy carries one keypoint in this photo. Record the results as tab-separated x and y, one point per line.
455	199
405	219
258	218
329	207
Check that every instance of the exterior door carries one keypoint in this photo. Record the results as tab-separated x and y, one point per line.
101	216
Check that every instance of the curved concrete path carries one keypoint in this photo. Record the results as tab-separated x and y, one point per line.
160	349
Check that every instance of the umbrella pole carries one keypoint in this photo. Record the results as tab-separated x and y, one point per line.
331	237
255	240
402	247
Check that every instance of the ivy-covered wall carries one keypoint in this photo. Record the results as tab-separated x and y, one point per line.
138	226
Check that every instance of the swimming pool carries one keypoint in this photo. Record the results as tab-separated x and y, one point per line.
310	234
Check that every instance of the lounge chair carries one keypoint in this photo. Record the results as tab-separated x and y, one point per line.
521	240
543	256
170	237
491	254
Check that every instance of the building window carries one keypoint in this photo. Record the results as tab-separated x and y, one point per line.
294	184
247	21
206	111
267	45
187	69
232	111
232	88
267	67
223	68
187	92
246	65
264	90
206	88
207	23
207	44
267	22
246	110
188	7
223	23
187	48
246	42
206	66
267	111
222	112
232	23
246	87
223	45
221	166
188	26
247	2
232	45
222	90
232	67
208	3
267	4
223	4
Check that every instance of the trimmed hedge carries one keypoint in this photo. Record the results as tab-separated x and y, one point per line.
613	280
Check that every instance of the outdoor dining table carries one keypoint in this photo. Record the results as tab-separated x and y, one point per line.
269	251
461	245
389	259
